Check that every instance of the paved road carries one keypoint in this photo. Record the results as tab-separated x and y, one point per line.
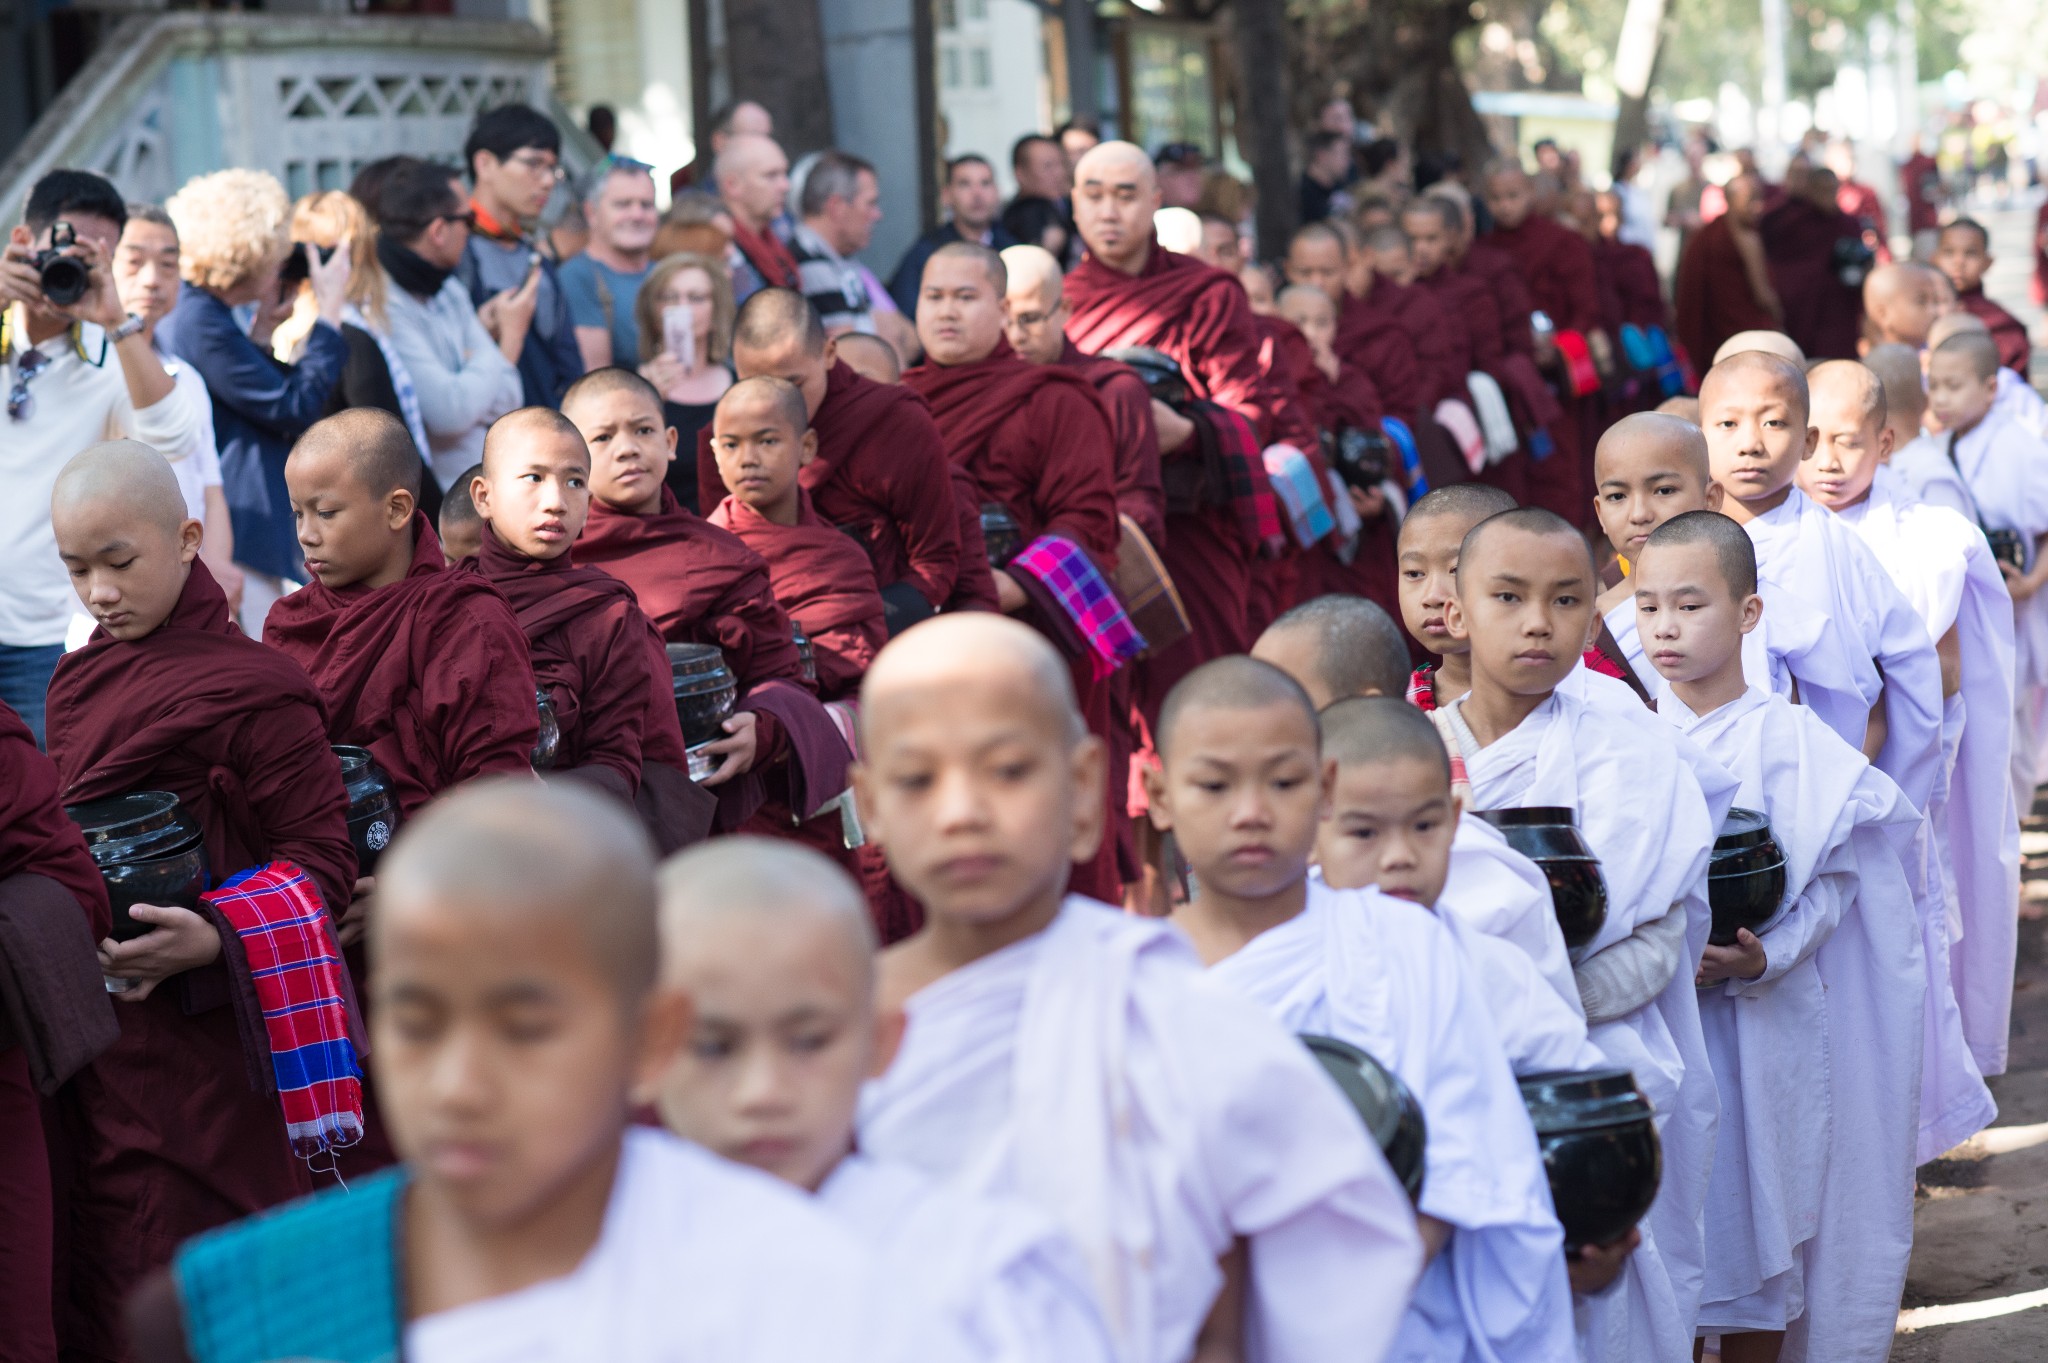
1981	1228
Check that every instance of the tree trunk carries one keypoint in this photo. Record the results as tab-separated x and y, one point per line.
776	53
1262	105
1635	63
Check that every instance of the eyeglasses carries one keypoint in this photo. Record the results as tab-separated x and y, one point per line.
537	163
19	402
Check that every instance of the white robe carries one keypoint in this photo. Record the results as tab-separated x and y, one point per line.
1792	642
699	1261
1641	809
1093	1071
1944	566
1922	467
1496	891
995	1272
1804	551
1388	977
1817	1070
2018	401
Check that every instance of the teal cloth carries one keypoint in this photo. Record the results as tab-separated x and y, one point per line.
314	1279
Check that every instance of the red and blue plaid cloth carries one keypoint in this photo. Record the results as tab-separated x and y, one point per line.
1064	569
1244	477
296	965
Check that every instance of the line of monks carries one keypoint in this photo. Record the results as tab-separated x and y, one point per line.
1057	1057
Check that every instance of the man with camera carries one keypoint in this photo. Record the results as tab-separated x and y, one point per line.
77	369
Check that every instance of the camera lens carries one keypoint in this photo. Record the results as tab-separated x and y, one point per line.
64	279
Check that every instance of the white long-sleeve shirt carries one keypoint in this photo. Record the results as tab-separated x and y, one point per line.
463	380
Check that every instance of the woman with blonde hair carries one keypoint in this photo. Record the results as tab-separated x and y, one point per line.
375	375
234	234
685	312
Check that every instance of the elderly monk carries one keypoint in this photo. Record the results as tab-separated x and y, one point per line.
1038	443
1128	292
53	908
1036	330
1900	303
1723	284
880	473
177	1127
424	667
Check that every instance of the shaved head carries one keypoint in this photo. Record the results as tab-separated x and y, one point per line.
771	318
1033	268
1338	647
1787	373
1769	342
125	476
457	506
545	422
1955	324
1448	212
1733	550
508	852
781	396
1232	683
1373	729
991	262
1118	162
1472	502
1905	388
972	646
1675	440
1686	409
1852	382
1975	346
1890	281
1532	520
600	383
870	356
379	449
773	882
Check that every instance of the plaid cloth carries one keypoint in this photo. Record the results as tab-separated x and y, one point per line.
1064	569
1422	695
1296	488
1244	477
276	912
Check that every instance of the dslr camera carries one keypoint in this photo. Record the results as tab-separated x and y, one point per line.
1361	458
64	276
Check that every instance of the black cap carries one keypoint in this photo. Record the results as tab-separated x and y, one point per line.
1180	154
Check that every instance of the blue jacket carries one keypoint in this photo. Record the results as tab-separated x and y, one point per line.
260	407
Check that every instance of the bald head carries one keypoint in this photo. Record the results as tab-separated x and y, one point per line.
1530	520
1976	348
1734	553
1034	273
1337	647
1955	324
503	853
1849	386
772	318
971	648
1686	409
515	430
1768	342
1374	729
1890	281
779	397
871	357
1905	390
1788	375
1116	163
990	262
772	884
1469	502
124	478
1441	209
1671	441
376	446
1231	683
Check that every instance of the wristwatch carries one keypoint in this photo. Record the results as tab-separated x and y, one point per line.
132	327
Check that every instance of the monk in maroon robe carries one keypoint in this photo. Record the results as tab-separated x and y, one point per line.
880	474
1963	253
1038	442
177	1127
54	1018
1128	292
1802	234
782	758
1723	283
424	667
1638	294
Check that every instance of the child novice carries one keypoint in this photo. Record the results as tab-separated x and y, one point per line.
1243	786
772	945
1062	1052
1524	602
1918	463
519	1021
168	1135
1946	570
1809	1201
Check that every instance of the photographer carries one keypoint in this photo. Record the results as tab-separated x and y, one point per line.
234	227
77	369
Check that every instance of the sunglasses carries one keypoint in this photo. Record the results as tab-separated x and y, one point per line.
19	401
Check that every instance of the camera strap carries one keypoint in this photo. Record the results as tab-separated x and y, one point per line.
77	336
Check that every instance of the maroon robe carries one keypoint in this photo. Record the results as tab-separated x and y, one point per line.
1555	265
1428	338
1037	440
1637	295
177	1128
1128	404
429	673
2014	350
1712	296
879	466
53	909
1822	314
825	583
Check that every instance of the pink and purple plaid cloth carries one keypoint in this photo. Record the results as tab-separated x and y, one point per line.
296	965
1066	571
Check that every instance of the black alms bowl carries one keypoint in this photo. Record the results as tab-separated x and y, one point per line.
547	743
1392	1116
1745	876
1598	1135
706	691
372	806
1000	534
149	850
1549	836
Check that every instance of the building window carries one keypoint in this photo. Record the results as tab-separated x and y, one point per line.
978	68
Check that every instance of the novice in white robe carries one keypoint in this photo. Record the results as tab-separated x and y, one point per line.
2019	403
1926	473
1386	976
1091	1070
699	1261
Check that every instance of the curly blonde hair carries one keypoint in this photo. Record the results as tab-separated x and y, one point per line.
232	226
